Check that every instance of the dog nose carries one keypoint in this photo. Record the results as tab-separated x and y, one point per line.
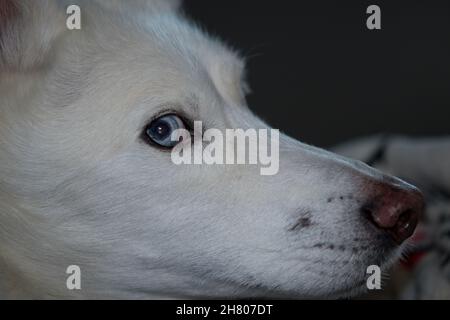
395	209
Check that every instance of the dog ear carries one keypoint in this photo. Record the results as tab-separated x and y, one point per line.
27	32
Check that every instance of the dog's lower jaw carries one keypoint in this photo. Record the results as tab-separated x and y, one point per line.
13	287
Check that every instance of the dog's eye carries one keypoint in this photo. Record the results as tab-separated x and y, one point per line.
160	130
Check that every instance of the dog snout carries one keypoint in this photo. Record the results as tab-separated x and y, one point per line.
395	208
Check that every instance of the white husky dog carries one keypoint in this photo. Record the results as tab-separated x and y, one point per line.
83	183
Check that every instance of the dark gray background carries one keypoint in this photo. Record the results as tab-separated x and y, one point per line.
320	75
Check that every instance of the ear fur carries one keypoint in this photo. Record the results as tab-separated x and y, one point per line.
28	30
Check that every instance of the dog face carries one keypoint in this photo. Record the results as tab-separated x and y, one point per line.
81	184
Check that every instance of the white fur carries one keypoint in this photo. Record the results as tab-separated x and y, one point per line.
78	186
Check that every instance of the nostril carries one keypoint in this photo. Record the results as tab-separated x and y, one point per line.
367	211
404	220
405	226
394	208
389	216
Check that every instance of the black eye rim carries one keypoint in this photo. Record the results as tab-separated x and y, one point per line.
188	124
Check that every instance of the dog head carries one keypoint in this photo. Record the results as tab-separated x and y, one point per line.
83	183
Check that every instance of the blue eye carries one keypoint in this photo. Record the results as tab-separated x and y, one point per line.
161	129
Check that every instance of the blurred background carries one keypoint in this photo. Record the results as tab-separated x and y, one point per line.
320	75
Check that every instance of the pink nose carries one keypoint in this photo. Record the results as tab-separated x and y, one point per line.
396	208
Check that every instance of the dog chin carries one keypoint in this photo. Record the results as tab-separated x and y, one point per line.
385	258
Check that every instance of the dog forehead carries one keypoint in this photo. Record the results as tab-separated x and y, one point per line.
184	56
186	42
222	66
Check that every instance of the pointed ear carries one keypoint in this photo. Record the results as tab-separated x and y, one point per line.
27	32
